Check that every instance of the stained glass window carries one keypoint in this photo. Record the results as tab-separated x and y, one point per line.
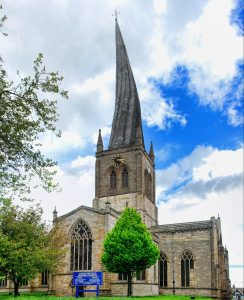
81	247
187	263
113	179
125	179
163	271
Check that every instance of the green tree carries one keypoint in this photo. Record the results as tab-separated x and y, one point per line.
27	247
129	247
27	111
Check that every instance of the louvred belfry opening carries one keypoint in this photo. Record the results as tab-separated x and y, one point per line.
127	125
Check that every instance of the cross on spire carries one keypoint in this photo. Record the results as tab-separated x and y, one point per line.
116	13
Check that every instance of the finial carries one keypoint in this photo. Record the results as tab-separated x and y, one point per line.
139	140
116	14
55	214
151	152
99	142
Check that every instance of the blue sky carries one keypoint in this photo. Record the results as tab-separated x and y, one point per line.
187	60
204	126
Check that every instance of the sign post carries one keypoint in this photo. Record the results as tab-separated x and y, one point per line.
81	279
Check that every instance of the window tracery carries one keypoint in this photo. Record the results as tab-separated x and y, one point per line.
81	247
187	263
163	270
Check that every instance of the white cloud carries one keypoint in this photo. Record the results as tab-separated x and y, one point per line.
70	139
182	170
160	6
207	45
219	164
158	111
235	116
77	181
205	170
78	40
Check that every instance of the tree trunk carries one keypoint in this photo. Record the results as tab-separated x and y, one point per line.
16	288
129	280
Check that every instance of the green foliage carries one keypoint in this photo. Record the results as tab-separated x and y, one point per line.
26	246
27	110
129	247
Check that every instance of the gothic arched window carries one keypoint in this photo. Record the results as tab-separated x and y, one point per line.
81	247
125	178
187	263
113	179
163	272
148	184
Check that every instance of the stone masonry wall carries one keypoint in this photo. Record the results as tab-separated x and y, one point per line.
136	161
137	200
99	223
199	243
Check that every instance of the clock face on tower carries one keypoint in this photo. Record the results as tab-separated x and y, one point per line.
118	160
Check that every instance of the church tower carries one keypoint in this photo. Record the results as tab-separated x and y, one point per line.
125	174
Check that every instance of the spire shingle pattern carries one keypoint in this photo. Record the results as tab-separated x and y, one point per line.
127	123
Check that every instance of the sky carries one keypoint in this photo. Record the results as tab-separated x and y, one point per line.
187	60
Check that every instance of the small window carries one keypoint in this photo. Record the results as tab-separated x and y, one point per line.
113	180
125	180
45	278
141	275
148	184
123	276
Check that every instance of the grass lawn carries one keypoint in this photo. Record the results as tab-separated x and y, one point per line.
35	296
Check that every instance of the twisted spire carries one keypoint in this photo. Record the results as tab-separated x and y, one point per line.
127	124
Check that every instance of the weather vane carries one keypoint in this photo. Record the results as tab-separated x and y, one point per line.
116	14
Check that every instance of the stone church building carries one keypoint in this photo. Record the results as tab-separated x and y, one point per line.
192	259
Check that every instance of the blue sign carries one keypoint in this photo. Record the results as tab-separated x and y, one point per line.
87	278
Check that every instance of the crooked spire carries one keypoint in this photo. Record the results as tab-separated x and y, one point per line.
127	125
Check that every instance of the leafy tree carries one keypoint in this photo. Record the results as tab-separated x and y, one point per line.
129	247
27	110
27	247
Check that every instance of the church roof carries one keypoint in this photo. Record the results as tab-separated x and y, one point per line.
127	125
112	212
178	227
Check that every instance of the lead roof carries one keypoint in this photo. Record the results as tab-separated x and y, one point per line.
127	124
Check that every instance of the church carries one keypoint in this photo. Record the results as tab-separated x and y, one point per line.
192	259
